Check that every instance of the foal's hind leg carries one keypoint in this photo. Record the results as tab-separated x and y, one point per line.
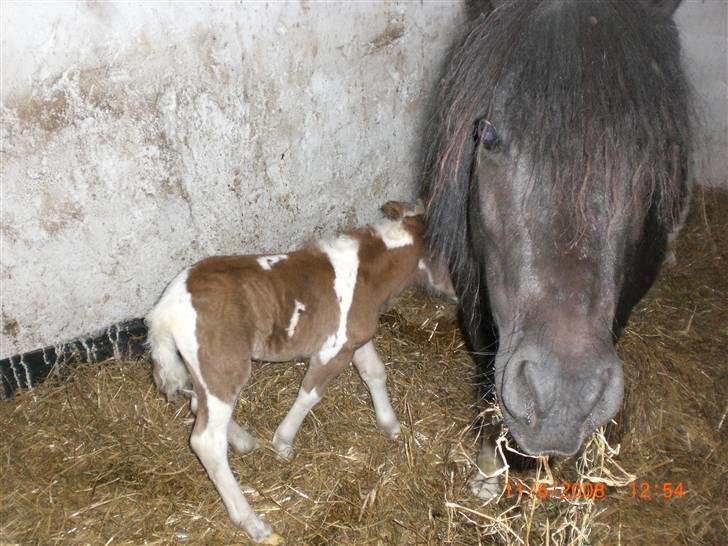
220	367
239	438
372	371
209	442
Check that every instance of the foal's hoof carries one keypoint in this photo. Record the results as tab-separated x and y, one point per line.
241	439
486	488
273	538
260	531
392	431
243	445
284	449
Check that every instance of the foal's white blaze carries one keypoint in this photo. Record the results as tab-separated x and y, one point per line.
297	310
393	234
266	262
343	254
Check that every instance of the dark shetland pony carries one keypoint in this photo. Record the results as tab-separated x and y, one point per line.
556	178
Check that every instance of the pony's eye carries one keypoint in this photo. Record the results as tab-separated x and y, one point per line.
486	134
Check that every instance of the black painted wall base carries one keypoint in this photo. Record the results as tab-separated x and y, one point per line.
25	371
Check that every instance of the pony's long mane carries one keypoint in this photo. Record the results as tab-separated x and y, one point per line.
590	94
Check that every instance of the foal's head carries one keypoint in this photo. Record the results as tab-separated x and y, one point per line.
432	275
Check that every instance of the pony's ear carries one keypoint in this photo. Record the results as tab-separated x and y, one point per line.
476	8
663	8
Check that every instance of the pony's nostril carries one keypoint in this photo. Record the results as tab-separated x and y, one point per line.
529	390
594	388
518	394
543	393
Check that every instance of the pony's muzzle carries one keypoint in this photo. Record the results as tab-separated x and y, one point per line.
552	404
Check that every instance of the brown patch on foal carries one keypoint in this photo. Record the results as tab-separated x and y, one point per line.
242	309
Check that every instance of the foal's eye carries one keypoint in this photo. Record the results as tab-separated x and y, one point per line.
486	134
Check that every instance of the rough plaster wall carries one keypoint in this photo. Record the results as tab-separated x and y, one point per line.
137	138
704	31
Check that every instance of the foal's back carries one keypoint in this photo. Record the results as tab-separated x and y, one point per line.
279	305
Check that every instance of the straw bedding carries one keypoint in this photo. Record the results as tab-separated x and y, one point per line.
98	457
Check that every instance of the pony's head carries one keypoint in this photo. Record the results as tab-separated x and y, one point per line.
558	172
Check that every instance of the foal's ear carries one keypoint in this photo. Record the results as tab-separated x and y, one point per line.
394	210
663	8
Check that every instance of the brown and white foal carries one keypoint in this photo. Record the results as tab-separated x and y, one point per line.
322	301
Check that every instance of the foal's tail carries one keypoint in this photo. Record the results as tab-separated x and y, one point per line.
163	322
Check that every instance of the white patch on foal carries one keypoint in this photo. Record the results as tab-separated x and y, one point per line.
297	310
343	254
266	262
173	313
393	234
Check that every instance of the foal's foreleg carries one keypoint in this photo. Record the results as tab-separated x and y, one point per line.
239	438
372	371
312	389
486	484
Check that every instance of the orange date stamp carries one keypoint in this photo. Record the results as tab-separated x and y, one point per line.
558	490
586	490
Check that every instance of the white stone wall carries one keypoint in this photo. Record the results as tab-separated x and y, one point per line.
138	137
704	31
